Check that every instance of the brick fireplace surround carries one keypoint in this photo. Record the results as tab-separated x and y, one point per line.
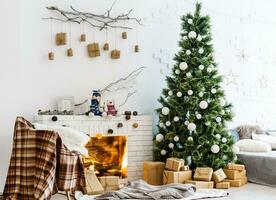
139	142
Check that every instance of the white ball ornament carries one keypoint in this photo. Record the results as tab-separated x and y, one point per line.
176	138
207	123
163	152
209	69
190	92
224	157
214	91
161	124
188	52
192	34
186	123
170	93
176	119
215	148
198	116
190	21
183	66
222	102
171	145
201	67
190	139
177	71
199	38
224	140
218	119
168	123
159	137
188	74
203	104
200	94
191	126
218	136
201	51
185	37
165	111
235	149
179	94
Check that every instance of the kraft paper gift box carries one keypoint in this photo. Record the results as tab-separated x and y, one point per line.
236	167
153	172
235	174
174	164
93	50
176	177
201	184
93	186
238	182
218	175
61	39
203	174
223	185
110	183
115	54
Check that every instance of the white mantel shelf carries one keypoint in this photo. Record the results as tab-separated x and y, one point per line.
139	143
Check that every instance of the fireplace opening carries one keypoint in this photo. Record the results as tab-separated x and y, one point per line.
107	155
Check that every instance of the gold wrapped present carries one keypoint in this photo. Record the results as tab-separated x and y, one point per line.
203	174
83	37
176	177
61	39
106	46
153	172
174	164
93	50
110	183
236	167
51	56
201	184
223	185
115	54
93	186
238	182
218	175
234	174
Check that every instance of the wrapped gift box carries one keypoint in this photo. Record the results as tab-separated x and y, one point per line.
110	183
174	164
238	182
93	186
223	185
218	175
153	172
203	174
61	39
234	174
236	167
176	177
201	184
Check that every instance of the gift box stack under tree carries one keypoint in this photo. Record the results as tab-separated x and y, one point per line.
236	175
202	178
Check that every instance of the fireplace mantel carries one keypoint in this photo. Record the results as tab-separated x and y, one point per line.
139	138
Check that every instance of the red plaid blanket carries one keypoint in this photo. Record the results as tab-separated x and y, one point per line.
40	165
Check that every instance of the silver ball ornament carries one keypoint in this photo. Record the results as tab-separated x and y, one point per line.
203	104
165	111
183	66
159	137
215	148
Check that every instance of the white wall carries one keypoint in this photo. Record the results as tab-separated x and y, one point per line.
28	81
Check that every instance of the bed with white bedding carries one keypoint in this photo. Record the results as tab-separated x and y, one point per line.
260	167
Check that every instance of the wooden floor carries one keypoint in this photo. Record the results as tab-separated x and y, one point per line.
248	192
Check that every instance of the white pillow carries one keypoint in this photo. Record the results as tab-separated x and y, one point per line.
266	138
249	145
73	139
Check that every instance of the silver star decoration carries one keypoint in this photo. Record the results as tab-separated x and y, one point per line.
263	81
242	56
231	78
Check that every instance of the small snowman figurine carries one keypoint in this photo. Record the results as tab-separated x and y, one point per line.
95	104
111	110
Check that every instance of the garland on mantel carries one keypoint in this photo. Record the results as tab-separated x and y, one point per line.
101	21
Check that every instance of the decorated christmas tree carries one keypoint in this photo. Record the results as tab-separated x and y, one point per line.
194	112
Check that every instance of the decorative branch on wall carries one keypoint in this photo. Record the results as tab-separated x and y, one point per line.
101	21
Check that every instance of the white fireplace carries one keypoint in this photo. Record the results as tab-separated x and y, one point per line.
139	142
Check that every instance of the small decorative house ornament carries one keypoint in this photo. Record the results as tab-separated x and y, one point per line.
136	48
93	50
124	35
83	37
106	46
115	54
70	52
61	39
51	56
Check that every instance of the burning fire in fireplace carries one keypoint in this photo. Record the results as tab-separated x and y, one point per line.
107	155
